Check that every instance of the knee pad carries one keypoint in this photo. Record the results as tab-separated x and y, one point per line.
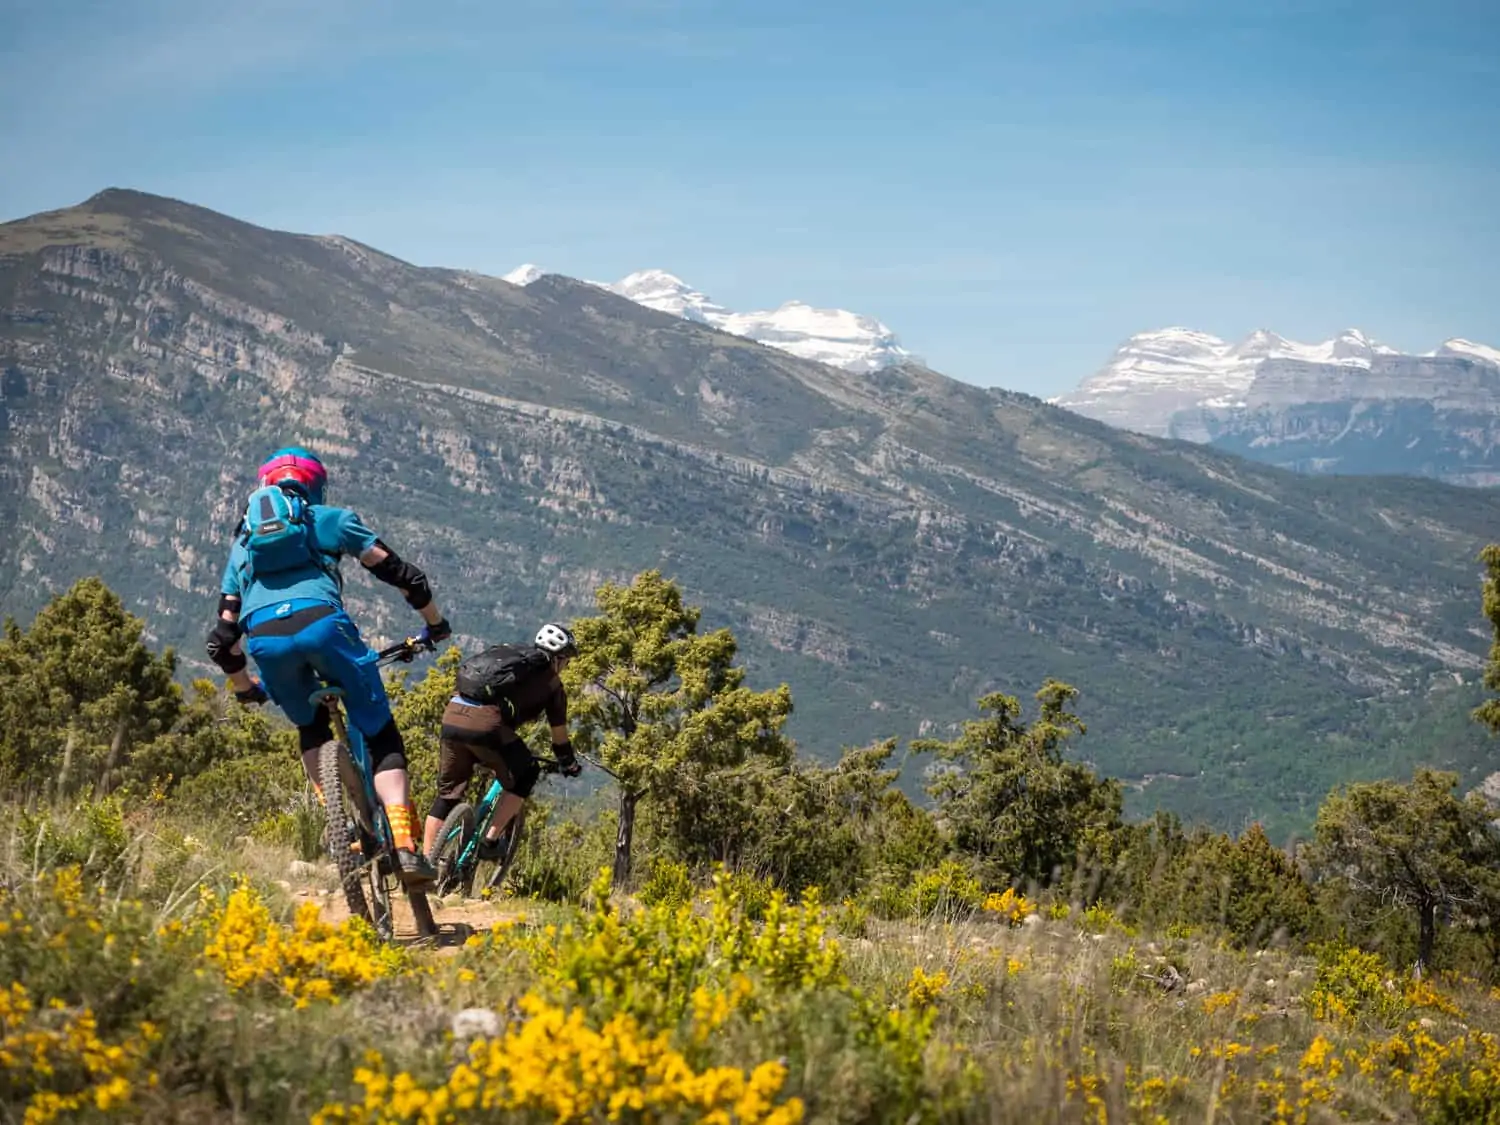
387	750
524	770
317	732
442	807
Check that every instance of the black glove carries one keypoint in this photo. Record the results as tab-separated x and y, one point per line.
567	761
435	634
221	640
254	694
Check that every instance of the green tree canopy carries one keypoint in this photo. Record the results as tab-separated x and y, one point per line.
662	706
837	826
1488	712
1245	886
1415	844
1012	802
79	690
211	728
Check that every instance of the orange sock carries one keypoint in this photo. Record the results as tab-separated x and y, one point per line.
401	817
414	820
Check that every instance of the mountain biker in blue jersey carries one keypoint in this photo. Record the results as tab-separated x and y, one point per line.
282	591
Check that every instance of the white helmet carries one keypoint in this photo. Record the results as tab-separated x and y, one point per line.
556	639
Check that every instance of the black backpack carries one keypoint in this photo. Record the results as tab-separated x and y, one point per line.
491	675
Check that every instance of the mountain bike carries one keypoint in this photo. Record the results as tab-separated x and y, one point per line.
456	853
359	834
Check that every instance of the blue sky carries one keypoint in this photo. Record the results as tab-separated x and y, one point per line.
1014	188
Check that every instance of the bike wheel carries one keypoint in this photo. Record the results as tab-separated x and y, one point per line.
453	837
510	845
343	834
379	876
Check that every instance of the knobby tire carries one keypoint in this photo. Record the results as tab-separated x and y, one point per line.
453	837
341	836
511	839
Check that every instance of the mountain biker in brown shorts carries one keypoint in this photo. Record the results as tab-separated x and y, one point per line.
483	733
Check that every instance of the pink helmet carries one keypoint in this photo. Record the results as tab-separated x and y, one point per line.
295	463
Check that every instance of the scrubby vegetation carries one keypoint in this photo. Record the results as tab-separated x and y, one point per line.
768	941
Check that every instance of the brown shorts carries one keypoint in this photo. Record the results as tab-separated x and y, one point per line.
475	734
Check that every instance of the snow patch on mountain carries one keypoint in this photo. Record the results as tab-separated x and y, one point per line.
833	336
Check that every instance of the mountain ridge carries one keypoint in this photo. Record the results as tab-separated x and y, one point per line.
892	543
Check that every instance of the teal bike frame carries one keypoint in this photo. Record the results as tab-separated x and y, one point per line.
359	833
456	855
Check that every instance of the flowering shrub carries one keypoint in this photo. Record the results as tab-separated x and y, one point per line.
1454	1081
554	1067
93	839
1352	985
310	961
1098	919
948	889
53	1061
1219	1001
66	938
128	1004
698	970
852	919
1009	906
648	963
667	885
922	990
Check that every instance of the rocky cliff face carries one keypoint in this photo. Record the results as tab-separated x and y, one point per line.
892	543
1432	416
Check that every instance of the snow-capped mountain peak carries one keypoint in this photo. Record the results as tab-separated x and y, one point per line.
668	293
1260	344
1154	374
833	336
1467	349
523	275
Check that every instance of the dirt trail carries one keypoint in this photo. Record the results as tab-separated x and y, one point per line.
456	917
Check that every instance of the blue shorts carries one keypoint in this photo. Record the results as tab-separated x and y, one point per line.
328	649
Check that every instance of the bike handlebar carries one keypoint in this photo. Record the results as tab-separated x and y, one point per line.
405	651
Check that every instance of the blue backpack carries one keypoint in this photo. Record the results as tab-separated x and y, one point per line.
276	532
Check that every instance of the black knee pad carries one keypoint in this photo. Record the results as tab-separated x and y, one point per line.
317	732
442	807
524	770
387	750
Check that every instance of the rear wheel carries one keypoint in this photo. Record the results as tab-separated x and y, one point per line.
452	838
343	834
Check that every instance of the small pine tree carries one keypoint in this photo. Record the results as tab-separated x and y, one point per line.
79	690
663	706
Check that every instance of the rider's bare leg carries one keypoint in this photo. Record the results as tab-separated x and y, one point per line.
392	787
310	767
430	830
505	812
